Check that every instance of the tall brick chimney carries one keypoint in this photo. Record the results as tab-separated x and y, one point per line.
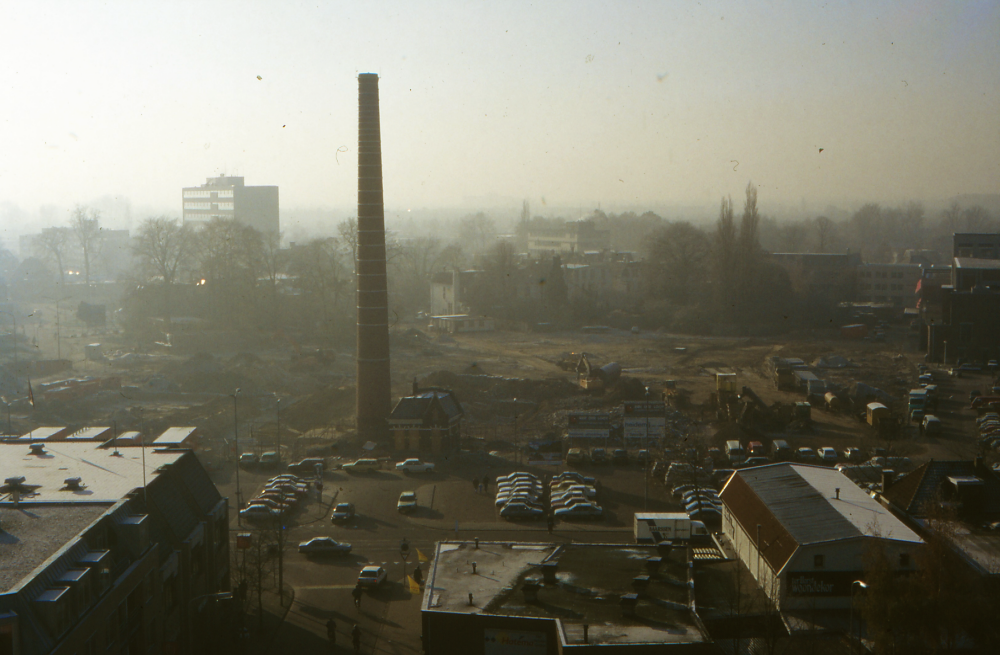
373	383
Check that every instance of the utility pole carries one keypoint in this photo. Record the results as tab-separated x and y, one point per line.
645	464
236	445
278	433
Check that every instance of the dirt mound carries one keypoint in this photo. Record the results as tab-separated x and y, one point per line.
327	407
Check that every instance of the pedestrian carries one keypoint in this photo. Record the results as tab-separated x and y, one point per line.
475	484
481	487
418	575
331	631
486	484
552	523
357	596
356	638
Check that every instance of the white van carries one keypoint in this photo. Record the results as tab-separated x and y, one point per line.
735	452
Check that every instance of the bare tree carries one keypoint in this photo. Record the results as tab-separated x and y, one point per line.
348	231
86	225
725	256
824	233
273	261
52	244
678	256
163	247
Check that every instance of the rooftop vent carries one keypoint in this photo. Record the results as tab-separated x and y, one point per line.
74	483
549	570
15	481
37	448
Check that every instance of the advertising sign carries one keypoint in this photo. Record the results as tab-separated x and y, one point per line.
822	583
595	425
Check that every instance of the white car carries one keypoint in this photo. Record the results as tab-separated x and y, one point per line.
826	454
259	513
589	492
503	499
414	465
371	576
324	545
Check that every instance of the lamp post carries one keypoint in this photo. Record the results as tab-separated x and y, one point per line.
14	342
277	404
517	437
236	445
850	629
645	464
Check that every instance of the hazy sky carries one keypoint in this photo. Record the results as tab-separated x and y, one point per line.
571	102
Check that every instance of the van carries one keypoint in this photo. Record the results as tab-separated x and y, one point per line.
780	450
756	449
735	452
932	425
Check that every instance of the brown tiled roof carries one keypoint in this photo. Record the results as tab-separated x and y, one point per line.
749	510
903	491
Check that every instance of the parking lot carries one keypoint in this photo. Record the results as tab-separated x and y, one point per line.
448	505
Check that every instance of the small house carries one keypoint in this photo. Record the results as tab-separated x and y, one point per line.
429	421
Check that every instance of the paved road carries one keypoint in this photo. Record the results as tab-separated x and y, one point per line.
389	617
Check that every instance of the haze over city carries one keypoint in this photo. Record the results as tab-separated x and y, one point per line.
564	104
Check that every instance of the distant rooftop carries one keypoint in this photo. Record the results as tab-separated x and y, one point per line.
591	579
973	262
174	437
105	477
29	536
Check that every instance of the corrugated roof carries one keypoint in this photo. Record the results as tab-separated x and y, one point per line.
803	499
748	508
416	407
89	434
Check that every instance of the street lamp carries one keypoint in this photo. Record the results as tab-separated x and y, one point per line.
14	346
850	628
645	465
236	445
278	433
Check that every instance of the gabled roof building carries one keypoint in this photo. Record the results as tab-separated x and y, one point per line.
802	532
430	420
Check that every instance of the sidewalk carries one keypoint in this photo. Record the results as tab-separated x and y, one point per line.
264	630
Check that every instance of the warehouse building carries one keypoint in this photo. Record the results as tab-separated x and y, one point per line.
803	531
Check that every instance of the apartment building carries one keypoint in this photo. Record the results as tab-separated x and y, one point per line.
230	197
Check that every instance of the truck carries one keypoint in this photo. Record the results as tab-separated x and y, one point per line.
414	465
671	526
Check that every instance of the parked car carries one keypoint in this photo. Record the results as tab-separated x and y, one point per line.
407	502
755	449
827	455
643	456
522	497
288	477
414	465
620	456
343	512
519	510
854	454
569	500
598	456
580	511
259	513
308	466
706	514
586	490
574	456
516	475
273	503
248	459
270	458
371	576
362	466
805	454
324	546
931	425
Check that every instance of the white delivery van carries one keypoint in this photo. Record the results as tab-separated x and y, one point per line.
672	526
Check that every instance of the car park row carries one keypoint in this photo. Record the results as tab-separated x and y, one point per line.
521	495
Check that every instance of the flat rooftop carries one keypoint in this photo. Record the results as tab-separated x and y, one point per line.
31	534
591	579
105	477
